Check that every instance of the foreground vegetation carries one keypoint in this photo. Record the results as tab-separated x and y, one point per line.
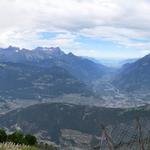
12	146
17	138
19	141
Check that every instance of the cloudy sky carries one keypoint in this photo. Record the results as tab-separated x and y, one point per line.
95	28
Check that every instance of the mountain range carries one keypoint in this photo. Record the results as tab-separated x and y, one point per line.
49	72
82	68
45	72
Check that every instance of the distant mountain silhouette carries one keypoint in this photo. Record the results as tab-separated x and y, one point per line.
81	68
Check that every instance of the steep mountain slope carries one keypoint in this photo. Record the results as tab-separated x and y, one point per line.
81	68
33	82
50	119
134	77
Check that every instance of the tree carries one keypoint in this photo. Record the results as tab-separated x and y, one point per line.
30	140
3	135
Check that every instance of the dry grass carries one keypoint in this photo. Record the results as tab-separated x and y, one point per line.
11	146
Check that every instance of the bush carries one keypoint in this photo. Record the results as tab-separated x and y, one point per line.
3	136
30	140
16	137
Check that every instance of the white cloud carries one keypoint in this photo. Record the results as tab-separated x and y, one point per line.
119	21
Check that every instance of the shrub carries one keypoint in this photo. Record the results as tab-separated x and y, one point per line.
16	137
30	140
3	136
